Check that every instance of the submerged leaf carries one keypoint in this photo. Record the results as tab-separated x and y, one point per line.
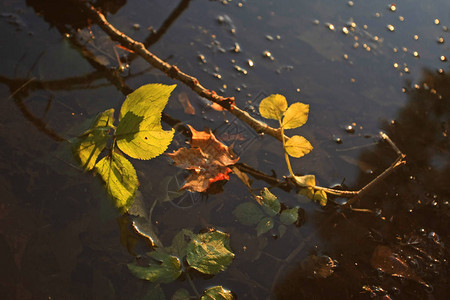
165	269
216	293
264	225
289	216
295	116
208	159
181	294
120	179
298	146
248	213
139	133
91	143
270	202
210	252
273	107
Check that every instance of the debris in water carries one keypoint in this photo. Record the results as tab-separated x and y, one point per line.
416	37
136	26
217	75
350	129
268	55
239	69
236	48
401	18
344	30
202	58
316	22
330	26
269	37
184	101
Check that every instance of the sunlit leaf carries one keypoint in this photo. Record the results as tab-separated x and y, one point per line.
264	225
120	179
181	294
321	197
306	180
166	268
210	252
217	293
298	146
308	192
91	143
273	107
289	216
248	213
295	116
270	202
139	133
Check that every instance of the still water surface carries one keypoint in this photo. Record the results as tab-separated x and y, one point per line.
362	66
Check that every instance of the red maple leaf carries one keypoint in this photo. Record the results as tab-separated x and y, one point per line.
208	159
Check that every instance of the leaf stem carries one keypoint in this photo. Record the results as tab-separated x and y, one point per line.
286	155
191	283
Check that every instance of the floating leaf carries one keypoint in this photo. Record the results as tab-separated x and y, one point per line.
217	293
289	216
120	179
210	252
139	133
270	202
295	116
91	143
166	269
306	180
273	107
298	146
248	213
181	294
179	243
321	197
208	158
264	225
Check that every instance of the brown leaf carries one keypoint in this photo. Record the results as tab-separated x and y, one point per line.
208	159
184	101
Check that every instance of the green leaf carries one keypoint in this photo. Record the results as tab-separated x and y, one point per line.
179	243
120	179
321	197
166	269
281	230
264	225
139	133
270	202
289	216
91	143
306	180
273	107
308	192
210	252
217	293
295	116
298	146
248	213
154	292
181	294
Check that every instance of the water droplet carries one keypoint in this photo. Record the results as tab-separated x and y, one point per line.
267	54
416	37
436	21
344	30
390	27
440	40
338	140
330	26
406	69
349	129
416	54
396	65
443	58
392	7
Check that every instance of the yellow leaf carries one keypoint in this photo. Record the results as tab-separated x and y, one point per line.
321	197
296	115
306	180
298	146
273	107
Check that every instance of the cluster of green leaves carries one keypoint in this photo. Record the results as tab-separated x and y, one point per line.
139	134
263	213
275	107
208	253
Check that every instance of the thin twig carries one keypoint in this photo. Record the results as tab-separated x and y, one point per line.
174	72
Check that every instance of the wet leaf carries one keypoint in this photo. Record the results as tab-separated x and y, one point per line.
181	294
270	202
248	213
321	197
295	116
281	230
91	143
264	225
208	159
298	146
210	252
289	216
120	179
217	293
165	269
154	292
273	107
139	133
179	243
306	180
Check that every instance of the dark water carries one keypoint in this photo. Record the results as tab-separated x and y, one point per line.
59	238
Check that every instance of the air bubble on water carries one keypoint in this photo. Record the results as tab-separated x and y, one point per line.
392	7
437	22
396	65
406	69
268	55
349	129
401	18
345	56
344	30
416	37
350	3
330	26
416	86
316	22
236	48
440	40
356	45
405	49
443	58
390	27
378	15
250	63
